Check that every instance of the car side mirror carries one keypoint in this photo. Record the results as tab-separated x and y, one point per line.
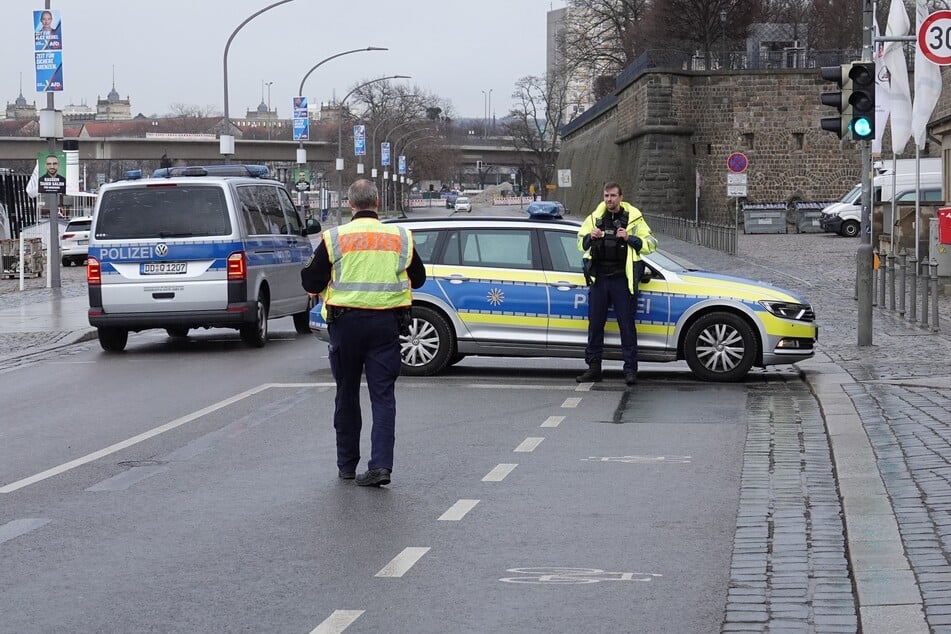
313	226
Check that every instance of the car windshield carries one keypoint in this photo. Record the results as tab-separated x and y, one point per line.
854	194
671	263
462	200
162	212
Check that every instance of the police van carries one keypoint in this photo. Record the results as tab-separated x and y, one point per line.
196	247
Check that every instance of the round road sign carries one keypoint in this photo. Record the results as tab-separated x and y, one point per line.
934	38
737	162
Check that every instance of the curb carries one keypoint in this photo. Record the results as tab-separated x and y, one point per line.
888	597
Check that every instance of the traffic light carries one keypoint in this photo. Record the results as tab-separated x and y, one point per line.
838	99
862	101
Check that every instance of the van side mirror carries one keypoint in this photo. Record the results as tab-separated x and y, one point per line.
313	226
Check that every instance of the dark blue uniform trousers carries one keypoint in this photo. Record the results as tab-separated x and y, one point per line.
365	341
604	293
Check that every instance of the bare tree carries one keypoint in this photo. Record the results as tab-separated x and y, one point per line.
605	36
188	110
534	122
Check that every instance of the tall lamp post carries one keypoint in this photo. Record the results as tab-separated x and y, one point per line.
267	122
226	139
341	105
405	146
301	152
722	39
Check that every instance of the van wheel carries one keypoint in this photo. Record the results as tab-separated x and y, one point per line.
113	339
177	333
850	228
302	320
429	346
255	334
720	347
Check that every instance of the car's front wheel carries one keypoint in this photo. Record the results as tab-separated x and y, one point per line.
850	228
720	347
429	345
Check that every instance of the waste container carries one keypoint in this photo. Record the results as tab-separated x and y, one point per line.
807	215
764	217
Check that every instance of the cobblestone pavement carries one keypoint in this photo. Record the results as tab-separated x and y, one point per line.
790	572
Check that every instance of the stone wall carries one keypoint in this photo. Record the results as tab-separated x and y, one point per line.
669	125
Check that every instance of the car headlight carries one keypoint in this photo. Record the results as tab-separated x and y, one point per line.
789	310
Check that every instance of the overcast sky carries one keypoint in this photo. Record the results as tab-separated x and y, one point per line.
170	51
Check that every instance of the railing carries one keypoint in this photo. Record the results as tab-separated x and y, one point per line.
706	234
917	285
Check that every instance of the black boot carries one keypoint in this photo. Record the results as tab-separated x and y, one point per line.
592	374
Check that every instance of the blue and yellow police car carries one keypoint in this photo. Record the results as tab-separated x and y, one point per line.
504	287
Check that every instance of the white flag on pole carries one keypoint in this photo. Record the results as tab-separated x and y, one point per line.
882	105
927	87
899	90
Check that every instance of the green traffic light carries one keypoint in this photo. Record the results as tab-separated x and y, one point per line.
861	129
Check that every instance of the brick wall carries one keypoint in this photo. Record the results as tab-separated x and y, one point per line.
668	124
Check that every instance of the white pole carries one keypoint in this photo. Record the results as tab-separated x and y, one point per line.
917	202
22	260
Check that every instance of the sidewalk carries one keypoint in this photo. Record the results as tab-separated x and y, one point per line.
884	409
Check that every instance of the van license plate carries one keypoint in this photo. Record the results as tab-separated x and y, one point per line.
162	268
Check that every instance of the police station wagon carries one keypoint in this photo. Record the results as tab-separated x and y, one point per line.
515	287
196	247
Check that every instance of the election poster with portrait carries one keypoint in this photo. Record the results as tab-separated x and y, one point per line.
52	173
47	34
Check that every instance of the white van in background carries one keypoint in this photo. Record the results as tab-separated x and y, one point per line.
845	216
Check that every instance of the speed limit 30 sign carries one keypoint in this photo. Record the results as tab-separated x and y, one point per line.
934	38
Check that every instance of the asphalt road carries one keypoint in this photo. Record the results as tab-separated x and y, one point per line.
191	486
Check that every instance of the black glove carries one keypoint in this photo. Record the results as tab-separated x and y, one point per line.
635	242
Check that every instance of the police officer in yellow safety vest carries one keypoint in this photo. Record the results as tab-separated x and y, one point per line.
363	271
613	238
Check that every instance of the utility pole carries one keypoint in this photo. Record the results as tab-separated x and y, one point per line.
864	254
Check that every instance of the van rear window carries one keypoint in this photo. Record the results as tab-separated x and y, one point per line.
181	211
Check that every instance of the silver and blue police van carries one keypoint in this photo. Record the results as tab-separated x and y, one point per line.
196	247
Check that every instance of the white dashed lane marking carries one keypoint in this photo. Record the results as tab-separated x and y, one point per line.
529	444
401	564
458	510
498	474
571	402
337	622
553	421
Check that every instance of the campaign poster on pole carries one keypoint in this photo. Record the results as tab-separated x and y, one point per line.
385	153
53	168
359	140
301	179
402	165
301	120
47	34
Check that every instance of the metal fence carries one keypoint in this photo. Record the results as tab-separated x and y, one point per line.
706	234
16	208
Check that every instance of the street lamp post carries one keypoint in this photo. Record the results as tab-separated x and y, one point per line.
301	153
226	139
405	146
267	121
340	106
722	39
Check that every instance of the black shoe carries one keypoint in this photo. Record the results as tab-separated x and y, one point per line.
591	375
374	478
346	475
630	378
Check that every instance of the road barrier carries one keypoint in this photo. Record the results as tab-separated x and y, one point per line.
908	274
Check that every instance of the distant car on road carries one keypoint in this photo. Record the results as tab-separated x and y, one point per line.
462	204
451	199
74	243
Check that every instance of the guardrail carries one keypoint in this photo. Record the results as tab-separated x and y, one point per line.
917	285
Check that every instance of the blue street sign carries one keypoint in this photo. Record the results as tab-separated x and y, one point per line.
385	153
301	119
359	140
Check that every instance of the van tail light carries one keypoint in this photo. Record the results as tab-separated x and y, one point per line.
237	266
93	271
68	235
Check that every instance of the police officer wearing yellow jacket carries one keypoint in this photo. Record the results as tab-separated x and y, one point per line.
613	238
364	270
